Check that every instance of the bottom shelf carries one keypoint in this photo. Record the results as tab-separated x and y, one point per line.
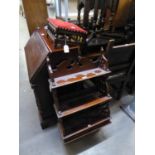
83	122
84	131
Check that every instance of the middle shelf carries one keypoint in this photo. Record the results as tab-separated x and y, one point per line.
87	96
83	106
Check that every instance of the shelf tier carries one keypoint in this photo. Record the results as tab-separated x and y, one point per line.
83	106
84	131
77	77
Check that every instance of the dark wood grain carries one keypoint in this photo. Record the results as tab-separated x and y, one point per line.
83	106
38	48
47	62
36	51
84	131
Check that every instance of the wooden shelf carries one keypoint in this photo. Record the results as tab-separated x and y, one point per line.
83	106
81	103
84	131
77	77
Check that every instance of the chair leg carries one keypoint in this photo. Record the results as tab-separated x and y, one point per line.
131	89
120	91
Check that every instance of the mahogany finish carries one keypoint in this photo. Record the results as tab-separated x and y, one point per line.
82	106
37	49
36	52
45	62
73	88
82	123
84	131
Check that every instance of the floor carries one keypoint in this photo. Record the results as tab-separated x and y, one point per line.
114	139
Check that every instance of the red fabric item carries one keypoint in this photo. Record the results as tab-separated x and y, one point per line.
65	25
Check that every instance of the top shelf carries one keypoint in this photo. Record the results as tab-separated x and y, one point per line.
77	77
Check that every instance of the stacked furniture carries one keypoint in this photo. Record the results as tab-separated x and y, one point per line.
73	68
68	86
80	101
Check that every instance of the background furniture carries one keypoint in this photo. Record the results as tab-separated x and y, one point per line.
121	63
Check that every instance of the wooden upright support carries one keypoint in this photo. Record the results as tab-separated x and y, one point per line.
35	13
